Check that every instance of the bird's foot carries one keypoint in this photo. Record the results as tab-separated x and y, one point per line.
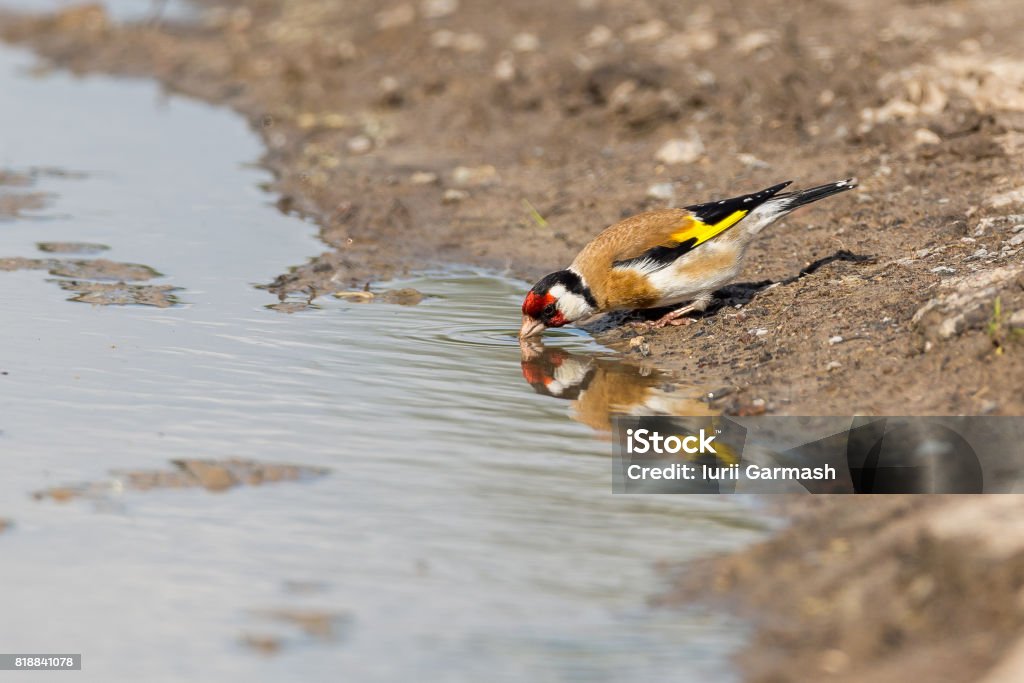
675	318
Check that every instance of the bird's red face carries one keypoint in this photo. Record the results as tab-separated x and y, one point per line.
543	307
540	311
556	300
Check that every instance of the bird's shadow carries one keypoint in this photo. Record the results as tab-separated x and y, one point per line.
738	294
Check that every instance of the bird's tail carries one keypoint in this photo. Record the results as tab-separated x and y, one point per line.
793	200
781	204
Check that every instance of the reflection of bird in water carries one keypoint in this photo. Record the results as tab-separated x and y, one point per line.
602	387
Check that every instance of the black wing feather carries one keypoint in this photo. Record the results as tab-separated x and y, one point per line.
710	213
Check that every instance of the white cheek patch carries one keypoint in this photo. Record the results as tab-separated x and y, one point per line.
572	306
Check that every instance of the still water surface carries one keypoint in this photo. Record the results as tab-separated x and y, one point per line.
466	531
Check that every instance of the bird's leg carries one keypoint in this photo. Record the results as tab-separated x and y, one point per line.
698	305
675	317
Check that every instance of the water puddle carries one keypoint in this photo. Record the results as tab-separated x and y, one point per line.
457	521
120	10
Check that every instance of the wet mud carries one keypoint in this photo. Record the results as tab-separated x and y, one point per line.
71	247
212	475
15	200
97	281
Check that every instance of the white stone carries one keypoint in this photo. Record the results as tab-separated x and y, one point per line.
475	176
360	144
681	150
423	178
663	191
454	196
647	32
437	9
525	42
923	136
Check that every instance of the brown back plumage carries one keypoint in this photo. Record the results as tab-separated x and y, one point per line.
629	238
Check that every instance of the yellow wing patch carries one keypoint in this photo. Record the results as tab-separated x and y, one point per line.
702	231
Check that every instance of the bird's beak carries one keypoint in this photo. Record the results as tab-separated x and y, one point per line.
530	328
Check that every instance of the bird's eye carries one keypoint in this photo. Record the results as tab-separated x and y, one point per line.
549	310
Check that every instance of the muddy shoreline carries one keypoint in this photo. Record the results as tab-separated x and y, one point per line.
506	136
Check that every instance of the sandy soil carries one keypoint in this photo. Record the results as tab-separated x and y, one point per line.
508	134
923	587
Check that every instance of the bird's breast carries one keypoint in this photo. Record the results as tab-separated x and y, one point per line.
629	288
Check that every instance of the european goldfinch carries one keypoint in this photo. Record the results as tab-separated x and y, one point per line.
662	258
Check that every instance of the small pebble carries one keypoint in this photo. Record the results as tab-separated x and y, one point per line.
505	69
360	144
407	296
681	150
525	42
423	178
599	36
988	407
835	662
442	39
475	176
751	161
640	345
454	196
355	297
835	340
663	191
923	136
438	9
470	42
647	32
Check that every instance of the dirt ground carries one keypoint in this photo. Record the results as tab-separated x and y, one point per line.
903	588
506	135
